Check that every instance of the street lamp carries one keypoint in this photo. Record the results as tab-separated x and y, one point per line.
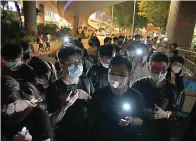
133	16
112	15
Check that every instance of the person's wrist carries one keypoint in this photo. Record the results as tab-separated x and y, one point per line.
132	121
63	107
167	114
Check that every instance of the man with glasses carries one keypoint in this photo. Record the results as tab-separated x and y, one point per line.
67	97
160	97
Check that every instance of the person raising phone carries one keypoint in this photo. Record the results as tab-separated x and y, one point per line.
66	98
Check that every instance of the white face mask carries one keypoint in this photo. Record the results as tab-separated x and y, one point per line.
131	53
75	71
105	65
176	69
117	81
158	77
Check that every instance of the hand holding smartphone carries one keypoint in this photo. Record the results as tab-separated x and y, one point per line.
23	131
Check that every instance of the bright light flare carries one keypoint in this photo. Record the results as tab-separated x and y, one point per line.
165	39
139	51
66	39
126	107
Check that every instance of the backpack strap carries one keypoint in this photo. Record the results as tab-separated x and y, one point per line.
53	71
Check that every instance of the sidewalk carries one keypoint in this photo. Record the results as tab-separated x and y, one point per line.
54	46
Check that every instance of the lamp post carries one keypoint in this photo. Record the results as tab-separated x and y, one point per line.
133	16
112	15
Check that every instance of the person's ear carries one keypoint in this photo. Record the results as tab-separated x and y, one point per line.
22	59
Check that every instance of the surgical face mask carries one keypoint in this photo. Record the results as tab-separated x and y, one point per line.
11	65
105	65
176	69
117	81
131	53
75	71
158	77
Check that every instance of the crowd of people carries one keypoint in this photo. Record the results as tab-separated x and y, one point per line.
120	91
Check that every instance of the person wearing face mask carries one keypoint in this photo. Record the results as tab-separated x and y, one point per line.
45	75
17	113
67	97
99	73
174	72
139	54
116	110
160	97
12	57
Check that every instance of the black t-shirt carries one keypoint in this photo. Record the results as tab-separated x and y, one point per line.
105	109
98	76
72	126
166	99
23	74
36	121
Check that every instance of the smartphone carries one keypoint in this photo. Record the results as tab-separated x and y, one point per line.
71	88
23	131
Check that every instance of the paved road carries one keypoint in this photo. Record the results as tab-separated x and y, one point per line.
49	56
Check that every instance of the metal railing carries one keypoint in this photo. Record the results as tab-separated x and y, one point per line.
189	58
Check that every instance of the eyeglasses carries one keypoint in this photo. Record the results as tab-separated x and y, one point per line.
158	70
75	62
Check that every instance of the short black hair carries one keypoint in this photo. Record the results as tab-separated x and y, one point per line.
107	39
34	60
41	69
121	60
175	45
11	51
137	36
175	52
25	45
115	39
159	57
178	59
27	53
93	41
10	90
68	51
106	50
28	90
121	36
148	37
